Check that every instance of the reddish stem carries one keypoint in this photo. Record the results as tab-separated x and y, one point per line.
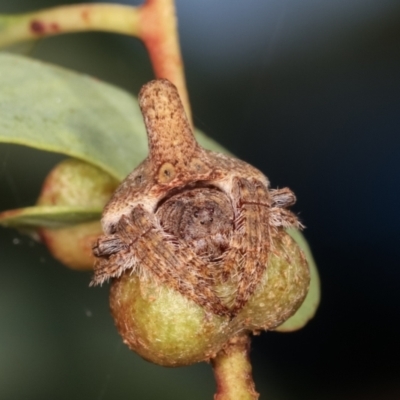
159	32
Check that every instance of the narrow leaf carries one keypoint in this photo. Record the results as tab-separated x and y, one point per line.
48	216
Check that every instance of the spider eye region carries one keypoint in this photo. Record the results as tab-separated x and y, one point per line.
198	215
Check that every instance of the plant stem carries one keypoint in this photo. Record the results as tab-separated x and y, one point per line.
232	371
159	32
154	23
65	19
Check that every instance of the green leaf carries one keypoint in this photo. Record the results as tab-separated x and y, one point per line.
53	109
309	307
48	216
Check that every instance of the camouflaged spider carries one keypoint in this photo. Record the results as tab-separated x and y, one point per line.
190	218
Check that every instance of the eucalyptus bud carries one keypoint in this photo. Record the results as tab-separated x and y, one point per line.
74	183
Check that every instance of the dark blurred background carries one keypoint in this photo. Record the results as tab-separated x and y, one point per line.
309	92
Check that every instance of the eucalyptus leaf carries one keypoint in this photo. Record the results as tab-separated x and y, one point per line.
48	216
309	307
53	109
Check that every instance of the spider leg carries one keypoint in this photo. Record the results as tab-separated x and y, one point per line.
107	245
282	197
248	256
175	264
141	244
105	269
279	215
112	253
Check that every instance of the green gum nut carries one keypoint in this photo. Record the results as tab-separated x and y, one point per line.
166	328
73	183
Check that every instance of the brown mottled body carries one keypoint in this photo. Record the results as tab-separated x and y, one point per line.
187	217
202	217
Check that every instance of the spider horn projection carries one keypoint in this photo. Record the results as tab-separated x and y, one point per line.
170	135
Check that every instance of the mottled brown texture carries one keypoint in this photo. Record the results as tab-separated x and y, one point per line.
189	218
203	218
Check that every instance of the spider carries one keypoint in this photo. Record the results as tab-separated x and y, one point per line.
190	218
